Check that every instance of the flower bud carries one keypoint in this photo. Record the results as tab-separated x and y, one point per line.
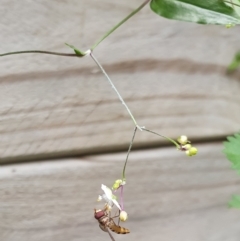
123	216
186	147
230	25
115	186
119	181
192	151
183	140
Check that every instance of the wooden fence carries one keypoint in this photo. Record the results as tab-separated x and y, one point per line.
173	77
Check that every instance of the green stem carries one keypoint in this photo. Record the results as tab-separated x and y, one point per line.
39	52
115	89
93	47
119	24
129	150
167	138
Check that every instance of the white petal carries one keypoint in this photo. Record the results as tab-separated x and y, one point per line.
116	204
107	199
107	191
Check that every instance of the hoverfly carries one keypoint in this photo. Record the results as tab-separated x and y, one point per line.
106	221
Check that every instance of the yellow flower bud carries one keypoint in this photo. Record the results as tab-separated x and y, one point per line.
182	140
123	216
192	151
115	186
119	181
229	25
187	146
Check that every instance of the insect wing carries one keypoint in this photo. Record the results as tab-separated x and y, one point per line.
103	227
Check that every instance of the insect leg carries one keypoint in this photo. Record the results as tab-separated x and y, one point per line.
116	217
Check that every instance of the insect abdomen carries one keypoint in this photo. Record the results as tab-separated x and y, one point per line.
119	230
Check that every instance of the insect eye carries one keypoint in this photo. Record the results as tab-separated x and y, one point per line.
99	214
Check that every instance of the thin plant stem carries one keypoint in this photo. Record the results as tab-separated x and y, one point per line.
169	139
121	196
93	47
112	238
40	52
115	89
129	150
119	24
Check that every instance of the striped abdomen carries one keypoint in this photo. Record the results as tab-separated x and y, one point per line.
117	229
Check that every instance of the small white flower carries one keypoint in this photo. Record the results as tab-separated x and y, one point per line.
109	197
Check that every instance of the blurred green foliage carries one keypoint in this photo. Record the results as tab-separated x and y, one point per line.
235	62
232	151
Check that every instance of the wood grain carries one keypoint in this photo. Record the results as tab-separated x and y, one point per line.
168	196
171	74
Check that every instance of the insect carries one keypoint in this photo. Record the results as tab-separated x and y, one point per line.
106	221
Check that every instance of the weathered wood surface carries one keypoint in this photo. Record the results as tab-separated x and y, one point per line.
168	196
171	74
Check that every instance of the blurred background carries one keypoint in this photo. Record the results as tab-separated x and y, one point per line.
63	131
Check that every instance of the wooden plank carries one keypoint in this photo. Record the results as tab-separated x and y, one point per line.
171	74
168	196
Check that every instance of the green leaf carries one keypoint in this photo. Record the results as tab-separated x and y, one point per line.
77	51
235	202
232	150
235	62
197	11
235	4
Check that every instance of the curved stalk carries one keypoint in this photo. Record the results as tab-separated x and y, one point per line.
129	150
93	47
40	52
167	138
119	24
115	89
121	196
